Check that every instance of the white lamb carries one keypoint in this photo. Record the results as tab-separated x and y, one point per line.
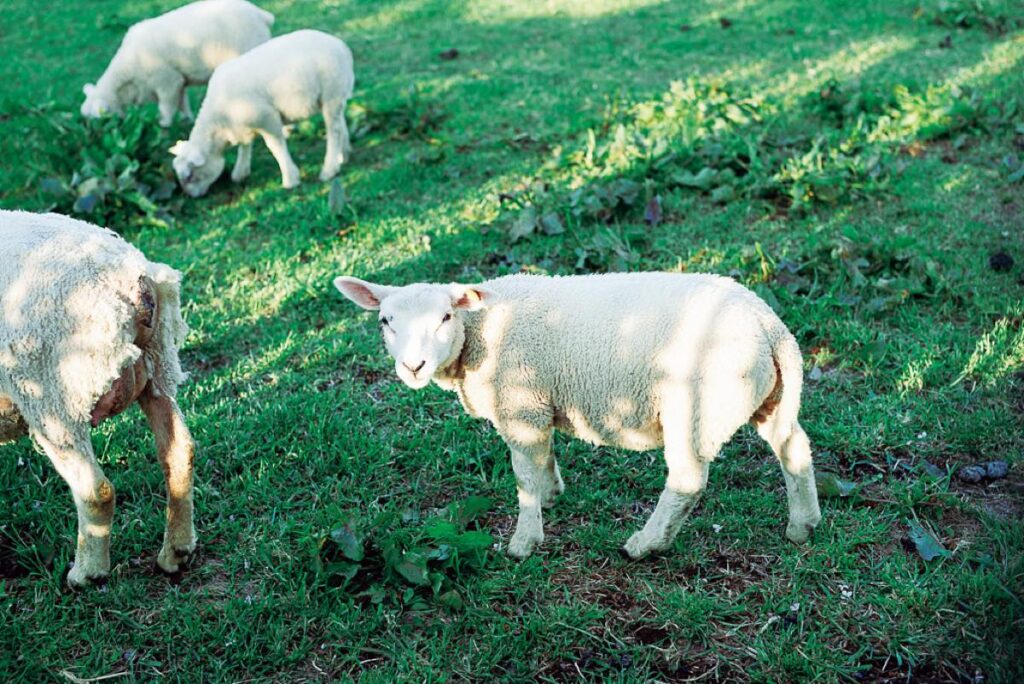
159	57
636	361
87	327
286	79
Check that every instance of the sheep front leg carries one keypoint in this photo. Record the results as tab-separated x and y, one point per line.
537	481
175	450
687	477
70	451
273	136
243	163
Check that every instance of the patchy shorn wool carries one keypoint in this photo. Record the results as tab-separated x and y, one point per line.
76	303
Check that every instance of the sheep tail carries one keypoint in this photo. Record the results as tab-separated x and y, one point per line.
790	365
168	333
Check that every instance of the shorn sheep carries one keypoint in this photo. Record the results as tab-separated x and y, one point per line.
286	79
636	361
159	57
88	326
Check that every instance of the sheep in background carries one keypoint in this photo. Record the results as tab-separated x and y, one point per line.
159	57
632	360
286	79
87	327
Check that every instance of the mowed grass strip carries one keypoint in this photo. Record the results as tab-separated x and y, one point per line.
913	346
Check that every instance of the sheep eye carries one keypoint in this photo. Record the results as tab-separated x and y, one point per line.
447	317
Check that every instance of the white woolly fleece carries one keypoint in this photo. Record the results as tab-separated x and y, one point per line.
609	358
186	43
67	319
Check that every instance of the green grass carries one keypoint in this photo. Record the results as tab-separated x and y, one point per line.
301	425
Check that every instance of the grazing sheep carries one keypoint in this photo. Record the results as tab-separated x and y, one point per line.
159	57
87	327
633	360
287	79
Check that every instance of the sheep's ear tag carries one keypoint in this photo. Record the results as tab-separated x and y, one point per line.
472	298
176	148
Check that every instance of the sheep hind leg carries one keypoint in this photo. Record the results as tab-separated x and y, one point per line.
185	105
793	449
337	140
687	478
175	451
169	97
69	448
537	481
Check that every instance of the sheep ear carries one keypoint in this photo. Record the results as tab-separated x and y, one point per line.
89	89
472	297
367	295
177	147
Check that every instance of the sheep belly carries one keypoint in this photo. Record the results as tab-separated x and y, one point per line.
12	425
621	426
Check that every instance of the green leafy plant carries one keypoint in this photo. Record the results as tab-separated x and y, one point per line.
113	171
408	558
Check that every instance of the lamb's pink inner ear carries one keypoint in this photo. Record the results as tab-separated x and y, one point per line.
472	298
358	291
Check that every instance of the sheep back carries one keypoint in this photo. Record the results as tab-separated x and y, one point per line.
602	356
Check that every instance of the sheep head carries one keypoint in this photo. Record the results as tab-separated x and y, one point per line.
98	102
422	324
195	168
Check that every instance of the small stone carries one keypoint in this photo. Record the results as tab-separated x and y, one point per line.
995	470
1000	261
815	374
971	473
933	470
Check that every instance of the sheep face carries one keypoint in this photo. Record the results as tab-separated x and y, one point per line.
97	102
196	170
421	324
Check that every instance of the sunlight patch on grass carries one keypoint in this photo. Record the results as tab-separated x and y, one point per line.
1001	58
998	352
852	60
505	10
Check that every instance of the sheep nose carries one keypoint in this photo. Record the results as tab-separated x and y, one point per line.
417	368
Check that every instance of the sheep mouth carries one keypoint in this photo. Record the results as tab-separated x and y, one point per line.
415	380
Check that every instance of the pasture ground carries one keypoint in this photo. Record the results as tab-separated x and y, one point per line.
864	164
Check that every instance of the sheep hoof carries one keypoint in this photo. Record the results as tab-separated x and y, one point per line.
82	580
173	560
328	174
522	546
637	547
799	533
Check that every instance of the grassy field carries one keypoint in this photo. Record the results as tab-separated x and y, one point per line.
858	164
